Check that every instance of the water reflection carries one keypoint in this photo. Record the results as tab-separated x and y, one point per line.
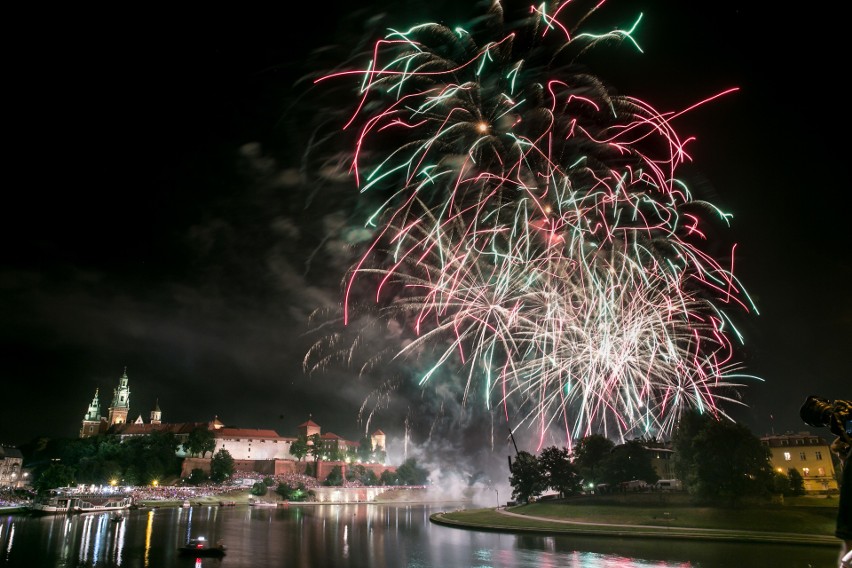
349	536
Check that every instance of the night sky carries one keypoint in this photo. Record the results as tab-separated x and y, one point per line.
155	217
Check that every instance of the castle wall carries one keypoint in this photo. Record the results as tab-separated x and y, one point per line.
255	448
278	467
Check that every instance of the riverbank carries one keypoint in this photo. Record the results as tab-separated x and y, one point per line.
807	525
385	495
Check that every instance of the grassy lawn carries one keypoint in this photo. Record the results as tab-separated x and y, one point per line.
808	516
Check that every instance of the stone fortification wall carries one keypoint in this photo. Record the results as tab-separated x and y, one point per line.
279	467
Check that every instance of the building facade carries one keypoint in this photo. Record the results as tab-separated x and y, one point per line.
12	474
94	424
808	454
253	444
250	448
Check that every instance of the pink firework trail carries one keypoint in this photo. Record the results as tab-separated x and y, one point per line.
533	234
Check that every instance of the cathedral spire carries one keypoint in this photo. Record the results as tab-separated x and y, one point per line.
92	420
156	414
120	406
94	412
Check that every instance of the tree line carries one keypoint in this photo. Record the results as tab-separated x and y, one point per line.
717	461
152	458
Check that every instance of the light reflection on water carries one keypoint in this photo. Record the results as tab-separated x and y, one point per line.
350	536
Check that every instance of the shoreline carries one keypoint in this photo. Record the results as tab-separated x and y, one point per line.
555	527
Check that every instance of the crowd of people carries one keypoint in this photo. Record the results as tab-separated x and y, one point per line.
239	482
15	497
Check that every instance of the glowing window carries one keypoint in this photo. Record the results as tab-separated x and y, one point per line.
787	456
821	471
806	471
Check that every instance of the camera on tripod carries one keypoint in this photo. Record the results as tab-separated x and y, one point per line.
835	415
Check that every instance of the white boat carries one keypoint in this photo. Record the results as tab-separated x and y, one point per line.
58	504
55	504
109	505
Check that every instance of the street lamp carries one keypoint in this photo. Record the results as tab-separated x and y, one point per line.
498	497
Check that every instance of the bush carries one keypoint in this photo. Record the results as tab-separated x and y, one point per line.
196	477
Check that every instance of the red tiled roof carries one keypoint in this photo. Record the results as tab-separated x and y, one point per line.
378	433
308	423
245	433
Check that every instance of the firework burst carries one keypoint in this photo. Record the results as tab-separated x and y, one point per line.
532	233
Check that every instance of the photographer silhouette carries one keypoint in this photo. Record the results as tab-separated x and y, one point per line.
837	416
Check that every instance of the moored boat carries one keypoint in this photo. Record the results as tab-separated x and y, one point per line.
59	502
56	504
108	505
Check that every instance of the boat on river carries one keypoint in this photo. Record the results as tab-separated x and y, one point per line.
55	504
200	546
65	504
109	505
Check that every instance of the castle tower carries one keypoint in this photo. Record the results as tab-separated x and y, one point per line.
378	440
156	414
308	429
120	406
92	420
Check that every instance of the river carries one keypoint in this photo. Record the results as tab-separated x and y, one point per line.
351	536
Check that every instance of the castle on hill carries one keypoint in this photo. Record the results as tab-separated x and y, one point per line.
262	450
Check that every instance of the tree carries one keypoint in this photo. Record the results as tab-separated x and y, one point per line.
559	473
221	466
409	473
389	477
259	489
588	456
365	449
299	448
725	460
370	478
131	475
200	441
797	483
526	477
196	476
356	472
296	492
628	462
691	424
780	483
335	477
381	456
56	475
315	446
153	456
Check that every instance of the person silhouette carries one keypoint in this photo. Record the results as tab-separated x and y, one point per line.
843	528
